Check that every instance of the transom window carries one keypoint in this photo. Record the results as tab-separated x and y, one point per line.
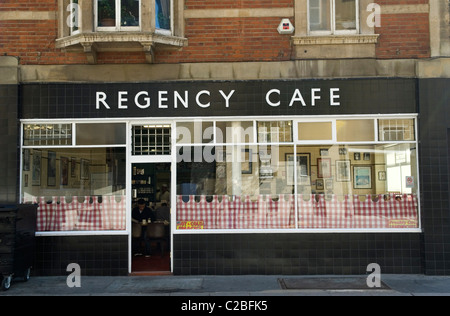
151	140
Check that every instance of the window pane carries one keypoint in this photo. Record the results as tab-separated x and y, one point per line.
319	15
76	189
74	16
163	14
345	14
235	187
47	134
315	131
355	130
400	130
195	132
101	134
152	140
129	13
234	132
357	186
273	132
106	12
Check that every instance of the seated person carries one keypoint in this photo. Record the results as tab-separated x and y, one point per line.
140	213
163	212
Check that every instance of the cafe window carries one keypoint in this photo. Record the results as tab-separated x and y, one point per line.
337	175
76	188
333	17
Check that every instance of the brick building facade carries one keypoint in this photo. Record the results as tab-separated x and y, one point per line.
224	68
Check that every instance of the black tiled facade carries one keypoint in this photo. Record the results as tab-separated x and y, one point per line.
296	254
262	253
96	255
434	155
9	144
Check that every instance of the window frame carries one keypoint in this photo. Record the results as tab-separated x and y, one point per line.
117	27
332	17
164	31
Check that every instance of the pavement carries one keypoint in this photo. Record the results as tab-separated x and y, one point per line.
228	286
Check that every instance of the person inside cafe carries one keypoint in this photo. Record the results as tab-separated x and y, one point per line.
142	214
163	212
164	195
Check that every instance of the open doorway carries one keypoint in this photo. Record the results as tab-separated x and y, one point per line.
151	218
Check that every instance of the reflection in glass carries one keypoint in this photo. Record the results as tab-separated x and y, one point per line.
129	13
319	15
345	14
106	12
163	14
76	188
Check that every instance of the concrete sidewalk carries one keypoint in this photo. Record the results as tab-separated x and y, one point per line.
249	285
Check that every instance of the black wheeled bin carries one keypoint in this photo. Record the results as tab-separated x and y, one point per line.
17	242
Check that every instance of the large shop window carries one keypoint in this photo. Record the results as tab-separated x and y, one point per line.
76	188
334	174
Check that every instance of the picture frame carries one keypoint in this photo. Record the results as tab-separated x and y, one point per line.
36	169
381	175
84	169
73	166
366	156
64	171
320	185
323	151
362	177
343	151
357	156
26	160
51	168
343	173
323	168
303	168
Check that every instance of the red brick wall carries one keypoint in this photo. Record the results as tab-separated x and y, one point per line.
404	36
231	39
210	40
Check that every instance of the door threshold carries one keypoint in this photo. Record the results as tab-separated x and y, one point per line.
150	273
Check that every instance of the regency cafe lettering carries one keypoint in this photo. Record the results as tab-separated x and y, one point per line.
185	99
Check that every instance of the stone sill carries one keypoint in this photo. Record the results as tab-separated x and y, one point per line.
91	43
335	39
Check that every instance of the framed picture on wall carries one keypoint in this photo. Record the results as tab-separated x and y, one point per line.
64	171
323	167
84	169
36	168
362	177
303	169
343	171
51	168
